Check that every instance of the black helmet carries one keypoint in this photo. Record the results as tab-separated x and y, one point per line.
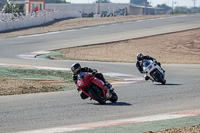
75	67
140	57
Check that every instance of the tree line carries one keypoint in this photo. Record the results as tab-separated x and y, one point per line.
178	9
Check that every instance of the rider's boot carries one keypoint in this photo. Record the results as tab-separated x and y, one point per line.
109	89
83	96
108	94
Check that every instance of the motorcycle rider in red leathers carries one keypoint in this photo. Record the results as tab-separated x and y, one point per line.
76	69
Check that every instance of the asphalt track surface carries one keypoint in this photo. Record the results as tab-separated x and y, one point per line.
47	110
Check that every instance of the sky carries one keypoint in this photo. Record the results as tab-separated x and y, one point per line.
188	3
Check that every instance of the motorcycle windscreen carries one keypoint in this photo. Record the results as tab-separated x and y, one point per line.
146	63
84	80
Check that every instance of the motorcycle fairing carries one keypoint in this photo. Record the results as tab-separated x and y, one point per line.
100	84
86	80
151	69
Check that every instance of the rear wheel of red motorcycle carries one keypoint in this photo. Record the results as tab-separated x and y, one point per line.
95	93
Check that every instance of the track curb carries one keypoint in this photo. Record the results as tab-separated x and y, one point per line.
117	123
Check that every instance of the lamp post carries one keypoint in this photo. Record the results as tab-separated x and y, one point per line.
194	3
172	6
98	12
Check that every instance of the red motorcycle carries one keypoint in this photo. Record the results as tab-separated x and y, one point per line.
94	88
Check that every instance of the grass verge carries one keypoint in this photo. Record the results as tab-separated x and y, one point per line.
53	55
15	80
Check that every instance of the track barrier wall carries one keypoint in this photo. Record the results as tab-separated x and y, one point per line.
10	22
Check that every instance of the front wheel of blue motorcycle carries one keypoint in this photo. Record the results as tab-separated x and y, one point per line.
114	97
164	82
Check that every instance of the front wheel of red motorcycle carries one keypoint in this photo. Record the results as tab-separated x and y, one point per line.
97	95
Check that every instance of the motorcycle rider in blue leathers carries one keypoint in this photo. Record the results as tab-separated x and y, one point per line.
139	63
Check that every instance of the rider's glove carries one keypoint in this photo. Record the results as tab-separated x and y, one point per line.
95	70
93	73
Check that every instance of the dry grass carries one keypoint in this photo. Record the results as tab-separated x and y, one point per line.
191	129
12	86
178	48
21	81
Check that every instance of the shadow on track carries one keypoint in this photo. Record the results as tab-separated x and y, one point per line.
169	84
115	104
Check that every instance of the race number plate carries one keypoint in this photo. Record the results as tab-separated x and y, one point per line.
150	67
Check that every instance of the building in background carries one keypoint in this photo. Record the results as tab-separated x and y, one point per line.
140	2
141	7
34	5
107	8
